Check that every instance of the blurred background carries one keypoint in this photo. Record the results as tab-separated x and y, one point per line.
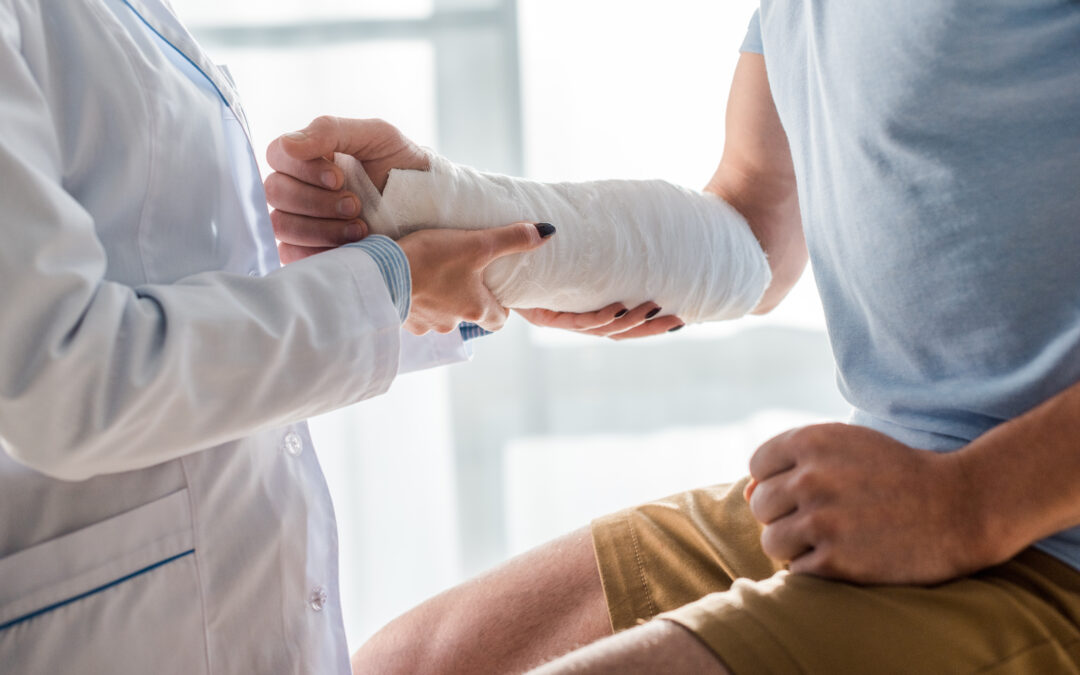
458	469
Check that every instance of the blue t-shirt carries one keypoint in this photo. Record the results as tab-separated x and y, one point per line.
937	150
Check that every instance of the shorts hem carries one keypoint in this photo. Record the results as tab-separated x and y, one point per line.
626	589
740	642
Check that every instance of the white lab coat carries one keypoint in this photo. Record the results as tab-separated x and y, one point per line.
161	507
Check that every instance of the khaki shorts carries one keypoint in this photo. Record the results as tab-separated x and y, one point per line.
695	559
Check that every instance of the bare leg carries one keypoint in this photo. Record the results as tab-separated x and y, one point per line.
656	647
536	607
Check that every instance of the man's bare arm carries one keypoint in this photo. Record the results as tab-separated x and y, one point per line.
1023	477
757	177
756	173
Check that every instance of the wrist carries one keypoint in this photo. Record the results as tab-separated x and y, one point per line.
991	531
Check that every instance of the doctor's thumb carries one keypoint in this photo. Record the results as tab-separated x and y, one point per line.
364	139
321	138
517	238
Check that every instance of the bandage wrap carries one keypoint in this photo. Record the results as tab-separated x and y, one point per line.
617	241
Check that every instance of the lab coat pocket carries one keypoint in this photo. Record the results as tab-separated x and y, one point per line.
119	596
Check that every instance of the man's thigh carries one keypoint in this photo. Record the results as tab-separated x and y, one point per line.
695	558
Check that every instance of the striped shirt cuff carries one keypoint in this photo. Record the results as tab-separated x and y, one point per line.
470	331
394	267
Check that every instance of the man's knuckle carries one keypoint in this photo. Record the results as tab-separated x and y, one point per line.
820	525
768	541
757	462
830	565
805	436
806	482
811	441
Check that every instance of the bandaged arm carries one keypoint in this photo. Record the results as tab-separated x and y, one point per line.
618	241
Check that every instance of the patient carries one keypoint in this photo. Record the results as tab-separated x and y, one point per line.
935	152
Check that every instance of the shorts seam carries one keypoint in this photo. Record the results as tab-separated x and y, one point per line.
640	561
751	655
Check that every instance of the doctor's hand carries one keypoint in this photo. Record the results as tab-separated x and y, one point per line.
447	269
615	321
312	211
846	502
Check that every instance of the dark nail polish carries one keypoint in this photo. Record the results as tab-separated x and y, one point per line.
652	313
677	328
621	313
545	230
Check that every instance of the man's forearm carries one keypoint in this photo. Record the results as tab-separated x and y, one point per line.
619	241
1024	476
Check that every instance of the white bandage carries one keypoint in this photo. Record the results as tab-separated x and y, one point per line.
617	241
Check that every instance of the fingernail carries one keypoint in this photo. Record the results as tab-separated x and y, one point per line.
621	313
652	313
347	207
295	136
677	328
329	179
545	230
354	232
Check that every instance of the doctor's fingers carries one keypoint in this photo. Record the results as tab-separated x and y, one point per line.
364	139
288	253
422	320
319	171
493	315
471	301
498	242
288	194
321	232
655	326
573	321
635	317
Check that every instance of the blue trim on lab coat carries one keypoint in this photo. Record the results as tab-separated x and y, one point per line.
99	589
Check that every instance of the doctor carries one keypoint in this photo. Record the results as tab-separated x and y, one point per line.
162	507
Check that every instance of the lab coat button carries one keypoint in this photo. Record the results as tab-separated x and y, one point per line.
293	444
253	273
319	598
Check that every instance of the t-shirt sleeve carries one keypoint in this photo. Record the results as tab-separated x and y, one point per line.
752	41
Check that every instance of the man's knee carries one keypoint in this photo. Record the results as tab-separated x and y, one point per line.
533	608
656	647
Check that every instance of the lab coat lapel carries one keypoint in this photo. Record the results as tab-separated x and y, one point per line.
159	17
